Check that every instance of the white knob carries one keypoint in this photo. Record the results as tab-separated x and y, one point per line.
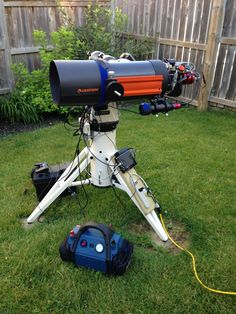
117	93
99	248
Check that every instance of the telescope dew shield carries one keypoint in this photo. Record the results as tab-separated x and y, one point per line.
74	82
97	82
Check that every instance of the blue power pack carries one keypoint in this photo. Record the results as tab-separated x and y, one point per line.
97	246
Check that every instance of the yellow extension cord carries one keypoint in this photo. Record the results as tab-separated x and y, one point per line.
194	264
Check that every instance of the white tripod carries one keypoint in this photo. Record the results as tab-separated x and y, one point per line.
105	169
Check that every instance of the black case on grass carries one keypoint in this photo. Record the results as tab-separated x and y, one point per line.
44	176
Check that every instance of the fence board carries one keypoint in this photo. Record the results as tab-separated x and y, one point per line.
198	22
152	18
225	87
219	70
5	57
136	17
223	103
194	90
229	27
31	60
169	19
146	15
215	29
231	93
176	20
205	18
3	82
183	20
227	71
163	20
190	20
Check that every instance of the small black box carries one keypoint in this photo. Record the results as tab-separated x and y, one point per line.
125	159
44	176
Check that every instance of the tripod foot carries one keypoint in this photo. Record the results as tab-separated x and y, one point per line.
156	225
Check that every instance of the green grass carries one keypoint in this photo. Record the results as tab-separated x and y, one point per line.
188	160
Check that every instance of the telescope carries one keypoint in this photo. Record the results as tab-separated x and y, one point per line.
104	79
97	84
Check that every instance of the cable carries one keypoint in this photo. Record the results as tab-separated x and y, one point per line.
149	192
117	196
194	264
81	206
125	109
68	122
133	184
183	103
54	219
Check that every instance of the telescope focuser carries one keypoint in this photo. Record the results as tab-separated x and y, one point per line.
181	73
114	90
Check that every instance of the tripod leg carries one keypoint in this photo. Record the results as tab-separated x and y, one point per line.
135	187
65	180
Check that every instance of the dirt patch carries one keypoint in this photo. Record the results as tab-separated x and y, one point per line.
7	128
27	226
176	230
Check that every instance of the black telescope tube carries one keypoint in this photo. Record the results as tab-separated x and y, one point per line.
83	82
74	82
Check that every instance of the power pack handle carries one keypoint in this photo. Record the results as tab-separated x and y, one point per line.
106	232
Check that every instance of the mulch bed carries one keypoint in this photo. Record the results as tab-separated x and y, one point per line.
7	128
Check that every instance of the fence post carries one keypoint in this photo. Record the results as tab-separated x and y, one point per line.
214	34
6	46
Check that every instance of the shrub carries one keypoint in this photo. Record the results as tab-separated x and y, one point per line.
103	31
31	96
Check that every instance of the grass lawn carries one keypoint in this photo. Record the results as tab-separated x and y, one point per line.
188	160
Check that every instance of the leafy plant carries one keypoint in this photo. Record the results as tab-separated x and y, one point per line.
34	88
16	107
100	30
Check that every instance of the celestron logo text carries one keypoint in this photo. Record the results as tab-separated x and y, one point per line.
87	90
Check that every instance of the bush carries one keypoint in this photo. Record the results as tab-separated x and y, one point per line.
102	31
31	96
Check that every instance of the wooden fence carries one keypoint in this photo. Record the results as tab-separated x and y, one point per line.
199	31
